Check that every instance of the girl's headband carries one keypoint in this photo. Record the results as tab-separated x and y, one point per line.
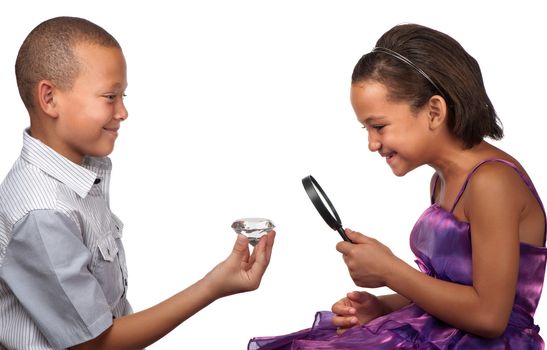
409	62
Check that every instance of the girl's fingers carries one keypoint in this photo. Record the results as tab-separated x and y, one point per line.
344	322
342	309
359	297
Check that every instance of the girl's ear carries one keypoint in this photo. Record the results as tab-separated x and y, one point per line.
437	112
45	98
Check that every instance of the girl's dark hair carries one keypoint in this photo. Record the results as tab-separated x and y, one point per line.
471	115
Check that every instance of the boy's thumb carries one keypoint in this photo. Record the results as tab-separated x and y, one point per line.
240	245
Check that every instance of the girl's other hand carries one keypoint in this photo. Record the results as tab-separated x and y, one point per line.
356	308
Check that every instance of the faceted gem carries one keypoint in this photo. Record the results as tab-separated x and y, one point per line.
253	228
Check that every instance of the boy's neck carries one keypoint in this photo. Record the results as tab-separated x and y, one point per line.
48	139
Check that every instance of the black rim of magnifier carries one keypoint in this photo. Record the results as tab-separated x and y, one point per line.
312	186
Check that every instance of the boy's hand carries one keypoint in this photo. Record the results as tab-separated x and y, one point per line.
356	308
241	271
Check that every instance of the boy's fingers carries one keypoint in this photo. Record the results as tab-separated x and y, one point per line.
269	244
261	253
240	249
241	243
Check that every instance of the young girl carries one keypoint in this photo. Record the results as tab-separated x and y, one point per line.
480	246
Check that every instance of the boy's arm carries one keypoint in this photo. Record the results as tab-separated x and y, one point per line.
240	272
45	267
138	330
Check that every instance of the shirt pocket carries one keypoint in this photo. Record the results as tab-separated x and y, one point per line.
118	233
108	248
107	269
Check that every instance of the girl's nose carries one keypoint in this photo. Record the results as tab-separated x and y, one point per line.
373	144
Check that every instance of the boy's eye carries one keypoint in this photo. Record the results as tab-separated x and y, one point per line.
112	97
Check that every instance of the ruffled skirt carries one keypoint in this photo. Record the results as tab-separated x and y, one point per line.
407	328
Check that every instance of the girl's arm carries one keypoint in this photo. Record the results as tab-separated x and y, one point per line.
362	307
240	272
393	302
493	205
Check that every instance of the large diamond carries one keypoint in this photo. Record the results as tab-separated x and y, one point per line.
253	228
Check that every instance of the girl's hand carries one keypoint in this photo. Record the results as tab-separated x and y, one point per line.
356	308
241	271
368	261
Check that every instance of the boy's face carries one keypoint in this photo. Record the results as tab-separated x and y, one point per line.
90	113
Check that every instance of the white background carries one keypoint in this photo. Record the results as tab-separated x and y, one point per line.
232	103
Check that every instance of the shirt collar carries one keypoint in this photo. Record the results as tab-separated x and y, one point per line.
79	178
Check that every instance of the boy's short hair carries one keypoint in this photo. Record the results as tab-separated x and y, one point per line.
455	73
47	53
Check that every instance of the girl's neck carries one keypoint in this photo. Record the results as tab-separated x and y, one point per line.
455	162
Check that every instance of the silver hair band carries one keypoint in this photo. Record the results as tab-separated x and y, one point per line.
409	62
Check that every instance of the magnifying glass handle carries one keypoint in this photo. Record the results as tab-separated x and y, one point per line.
343	234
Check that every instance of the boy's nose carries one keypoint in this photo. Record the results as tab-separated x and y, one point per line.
121	112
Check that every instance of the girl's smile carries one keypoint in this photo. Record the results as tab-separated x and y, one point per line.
396	131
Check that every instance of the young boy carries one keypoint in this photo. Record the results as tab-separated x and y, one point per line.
63	279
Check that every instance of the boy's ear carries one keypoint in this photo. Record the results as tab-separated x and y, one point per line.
437	111
45	98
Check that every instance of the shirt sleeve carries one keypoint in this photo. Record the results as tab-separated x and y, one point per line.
46	267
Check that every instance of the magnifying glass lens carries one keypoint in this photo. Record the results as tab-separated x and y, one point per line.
323	205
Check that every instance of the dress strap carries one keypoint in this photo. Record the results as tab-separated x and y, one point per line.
434	187
464	186
525	178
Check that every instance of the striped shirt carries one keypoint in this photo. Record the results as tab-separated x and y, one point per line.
63	276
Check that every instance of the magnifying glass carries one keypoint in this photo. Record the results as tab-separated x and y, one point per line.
319	198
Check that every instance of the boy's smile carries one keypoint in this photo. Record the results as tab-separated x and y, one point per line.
88	115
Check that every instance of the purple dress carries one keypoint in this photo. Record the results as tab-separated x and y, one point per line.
442	245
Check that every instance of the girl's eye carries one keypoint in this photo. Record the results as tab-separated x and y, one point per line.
376	127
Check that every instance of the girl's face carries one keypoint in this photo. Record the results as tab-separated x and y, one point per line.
399	134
